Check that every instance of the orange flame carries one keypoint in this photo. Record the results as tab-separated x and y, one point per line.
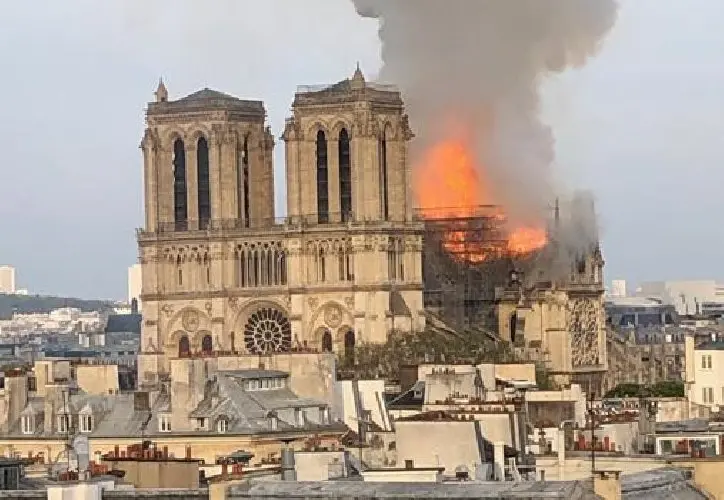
448	184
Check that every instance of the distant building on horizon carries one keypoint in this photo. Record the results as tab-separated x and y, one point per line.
134	284
618	288
7	280
691	297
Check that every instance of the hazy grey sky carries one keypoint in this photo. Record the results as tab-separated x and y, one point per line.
641	125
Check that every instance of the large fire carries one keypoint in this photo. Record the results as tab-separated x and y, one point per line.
448	184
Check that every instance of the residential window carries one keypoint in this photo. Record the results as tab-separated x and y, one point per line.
706	363
222	425
27	424
86	423
63	423
707	394
164	423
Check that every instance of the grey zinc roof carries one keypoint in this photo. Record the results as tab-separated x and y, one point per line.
122	419
123	323
208	99
359	489
692	425
206	94
671	484
667	483
247	412
711	346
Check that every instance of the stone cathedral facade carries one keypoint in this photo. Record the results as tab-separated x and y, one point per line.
223	277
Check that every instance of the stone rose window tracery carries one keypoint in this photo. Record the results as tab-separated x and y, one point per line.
268	330
583	328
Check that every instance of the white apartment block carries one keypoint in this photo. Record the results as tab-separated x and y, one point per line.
134	284
7	279
705	373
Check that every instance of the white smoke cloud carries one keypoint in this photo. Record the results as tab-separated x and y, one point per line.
482	62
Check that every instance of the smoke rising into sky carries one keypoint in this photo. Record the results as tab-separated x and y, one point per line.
478	65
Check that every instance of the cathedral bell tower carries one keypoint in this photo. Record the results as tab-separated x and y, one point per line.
348	183
207	169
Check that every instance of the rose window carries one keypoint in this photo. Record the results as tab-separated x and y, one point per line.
268	330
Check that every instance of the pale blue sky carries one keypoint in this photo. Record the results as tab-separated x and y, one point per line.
641	125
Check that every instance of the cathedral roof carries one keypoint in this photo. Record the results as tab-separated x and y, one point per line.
207	94
347	90
207	99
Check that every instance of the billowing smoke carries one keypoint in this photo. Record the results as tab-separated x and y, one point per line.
479	65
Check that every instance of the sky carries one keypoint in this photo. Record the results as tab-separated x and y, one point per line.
641	125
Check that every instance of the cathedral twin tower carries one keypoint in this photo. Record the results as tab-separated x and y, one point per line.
223	277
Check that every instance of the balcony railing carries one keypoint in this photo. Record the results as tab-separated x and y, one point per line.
291	222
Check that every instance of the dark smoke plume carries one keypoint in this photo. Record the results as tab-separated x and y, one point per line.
480	63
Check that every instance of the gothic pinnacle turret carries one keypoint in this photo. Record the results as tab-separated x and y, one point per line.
161	92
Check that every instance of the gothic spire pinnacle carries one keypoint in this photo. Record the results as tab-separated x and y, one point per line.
161	92
358	79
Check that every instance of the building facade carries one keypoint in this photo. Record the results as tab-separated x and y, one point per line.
7	279
135	282
704	375
221	275
560	322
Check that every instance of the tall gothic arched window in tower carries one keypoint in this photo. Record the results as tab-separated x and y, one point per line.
180	205
322	179
383	175
204	189
242	180
345	176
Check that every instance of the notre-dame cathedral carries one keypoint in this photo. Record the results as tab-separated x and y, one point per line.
223	276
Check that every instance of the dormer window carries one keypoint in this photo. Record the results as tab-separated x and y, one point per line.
86	423
264	384
28	424
63	423
273	421
222	425
164	423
